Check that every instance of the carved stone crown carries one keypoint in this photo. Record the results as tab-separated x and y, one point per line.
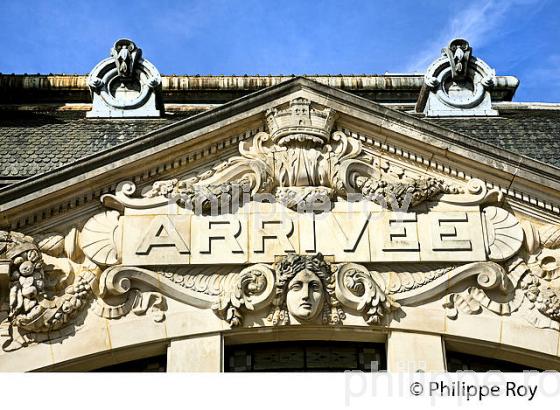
300	122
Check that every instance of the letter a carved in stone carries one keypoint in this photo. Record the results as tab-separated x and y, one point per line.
161	232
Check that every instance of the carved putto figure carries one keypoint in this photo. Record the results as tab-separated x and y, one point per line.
38	271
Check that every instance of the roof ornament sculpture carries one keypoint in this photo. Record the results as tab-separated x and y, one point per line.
125	85
457	84
125	54
459	54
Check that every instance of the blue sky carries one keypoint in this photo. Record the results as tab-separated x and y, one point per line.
516	37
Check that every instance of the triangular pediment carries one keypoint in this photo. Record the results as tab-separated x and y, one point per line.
211	136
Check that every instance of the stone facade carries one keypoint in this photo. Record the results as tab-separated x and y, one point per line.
301	212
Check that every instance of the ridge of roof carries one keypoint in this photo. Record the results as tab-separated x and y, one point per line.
18	88
526	105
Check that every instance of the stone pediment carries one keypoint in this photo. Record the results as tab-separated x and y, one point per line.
297	205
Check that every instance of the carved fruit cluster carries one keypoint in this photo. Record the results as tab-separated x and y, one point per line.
74	298
26	282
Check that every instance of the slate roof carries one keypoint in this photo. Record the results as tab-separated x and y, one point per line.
534	133
33	142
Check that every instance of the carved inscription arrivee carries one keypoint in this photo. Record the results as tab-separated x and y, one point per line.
392	237
277	232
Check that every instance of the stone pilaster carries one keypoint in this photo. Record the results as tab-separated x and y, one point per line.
199	354
412	352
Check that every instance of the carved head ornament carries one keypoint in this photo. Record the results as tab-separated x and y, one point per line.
459	53
304	289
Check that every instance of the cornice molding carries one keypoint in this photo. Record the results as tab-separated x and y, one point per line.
60	88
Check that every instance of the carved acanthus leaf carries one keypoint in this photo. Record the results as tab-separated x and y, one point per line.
137	302
532	237
119	280
475	192
51	244
489	275
550	236
455	302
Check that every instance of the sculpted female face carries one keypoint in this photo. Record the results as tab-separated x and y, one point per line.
305	295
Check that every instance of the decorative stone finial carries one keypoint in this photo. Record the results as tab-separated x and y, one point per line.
457	84
300	121
125	85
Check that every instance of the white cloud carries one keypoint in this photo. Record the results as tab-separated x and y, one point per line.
479	23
